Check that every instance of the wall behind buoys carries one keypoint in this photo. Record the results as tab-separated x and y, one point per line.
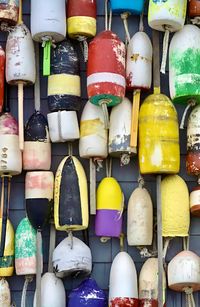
103	253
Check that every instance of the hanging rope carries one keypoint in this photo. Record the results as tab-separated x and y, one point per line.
165	49
106	14
166	245
141	24
109	167
190	302
124	17
84	46
28	279
110	20
191	103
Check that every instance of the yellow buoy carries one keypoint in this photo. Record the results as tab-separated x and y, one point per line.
7	261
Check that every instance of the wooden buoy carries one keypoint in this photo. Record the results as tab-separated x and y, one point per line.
9	13
2	75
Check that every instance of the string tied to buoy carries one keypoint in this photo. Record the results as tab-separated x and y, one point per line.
141	181
84	46
103	104
28	279
125	159
124	17
165	49
191	103
196	20
47	43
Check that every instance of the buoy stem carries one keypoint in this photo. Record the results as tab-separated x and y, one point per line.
92	187
108	167
124	17
70	234
121	240
47	42
165	50
21	114
105	114
84	47
4	212
191	103
134	119
20	19
141	25
60	127
28	279
70	149
110	20
52	244
37	81
38	270
106	14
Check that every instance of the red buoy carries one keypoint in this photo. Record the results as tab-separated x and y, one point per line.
2	76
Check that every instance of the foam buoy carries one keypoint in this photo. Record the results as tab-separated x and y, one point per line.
123	288
9	11
71	196
87	293
119	6
2	75
159	150
140	218
79	258
5	295
53	292
7	261
148	283
175	207
120	131
37	146
110	205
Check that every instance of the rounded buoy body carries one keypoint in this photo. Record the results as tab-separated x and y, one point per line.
25	248
195	201
159	150
37	146
167	14
38	195
5	295
140	218
9	12
63	126
2	73
20	56
7	261
93	135
123	286
120	129
52	292
48	19
11	161
184	271
110	205
193	142
64	88
81	19
87	293
148	283
184	65
106	69
71	196
175	207
139	62
194	8
129	6
78	260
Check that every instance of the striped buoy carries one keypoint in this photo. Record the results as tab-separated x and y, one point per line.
70	196
9	13
7	261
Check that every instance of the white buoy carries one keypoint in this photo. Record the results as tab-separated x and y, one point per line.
5	296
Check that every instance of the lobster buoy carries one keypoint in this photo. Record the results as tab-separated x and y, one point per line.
120	131
37	146
140	218
175	207
9	12
2	75
7	261
194	10
110	205
184	69
53	292
25	248
38	195
148	283
11	161
5	295
123	288
72	257
195	200
184	272
71	196
87	293
64	89
106	71
193	142
159	150
139	62
120	6
167	16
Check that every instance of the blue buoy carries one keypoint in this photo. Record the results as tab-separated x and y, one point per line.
87	294
131	6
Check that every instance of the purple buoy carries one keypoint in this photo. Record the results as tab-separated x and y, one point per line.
88	294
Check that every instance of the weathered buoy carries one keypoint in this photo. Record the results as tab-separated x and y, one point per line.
140	218
123	287
167	16
106	71
78	260
194	10
184	272
119	6
120	131
87	293
71	196
5	295
48	25
193	142
7	261
110	205
175	207
37	146
2	75
159	150
184	68
53	292
148	283
38	195
195	200
9	12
